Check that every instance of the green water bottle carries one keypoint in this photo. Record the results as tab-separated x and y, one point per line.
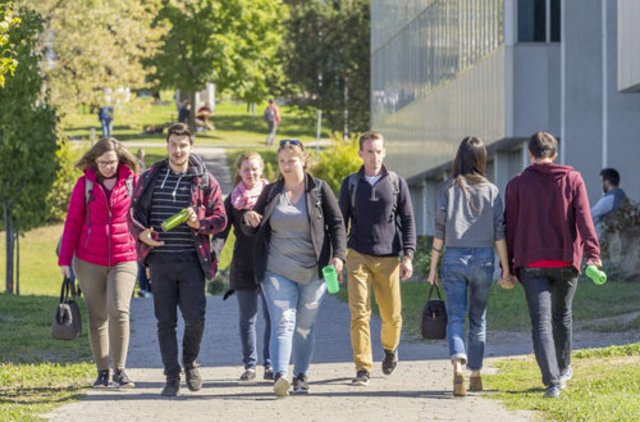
331	278
598	276
175	220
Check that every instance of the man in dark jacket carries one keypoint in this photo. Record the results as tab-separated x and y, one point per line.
376	205
548	226
611	200
179	259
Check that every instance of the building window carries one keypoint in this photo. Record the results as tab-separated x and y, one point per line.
539	21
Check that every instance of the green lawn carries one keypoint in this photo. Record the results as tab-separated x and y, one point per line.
605	386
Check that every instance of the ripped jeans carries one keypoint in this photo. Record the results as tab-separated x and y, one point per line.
293	308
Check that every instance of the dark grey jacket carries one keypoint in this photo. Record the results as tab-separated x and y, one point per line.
327	227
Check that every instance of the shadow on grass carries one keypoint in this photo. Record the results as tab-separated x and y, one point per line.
40	395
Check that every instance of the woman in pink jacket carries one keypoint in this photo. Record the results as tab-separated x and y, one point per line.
97	242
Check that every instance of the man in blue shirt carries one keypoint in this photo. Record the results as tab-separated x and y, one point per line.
610	201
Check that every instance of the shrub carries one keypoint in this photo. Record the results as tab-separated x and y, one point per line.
219	284
66	176
338	160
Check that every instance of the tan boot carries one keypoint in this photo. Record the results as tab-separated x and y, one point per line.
459	390
475	382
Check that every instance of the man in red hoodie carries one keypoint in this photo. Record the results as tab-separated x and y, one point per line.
548	226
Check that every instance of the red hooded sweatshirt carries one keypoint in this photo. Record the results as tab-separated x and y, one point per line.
548	217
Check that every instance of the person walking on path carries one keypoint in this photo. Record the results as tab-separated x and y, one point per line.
97	242
610	202
299	230
179	259
248	185
272	117
375	203
548	225
105	115
469	222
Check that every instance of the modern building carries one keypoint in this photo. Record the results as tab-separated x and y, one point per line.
502	70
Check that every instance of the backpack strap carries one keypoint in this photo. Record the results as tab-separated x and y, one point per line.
353	185
88	189
129	184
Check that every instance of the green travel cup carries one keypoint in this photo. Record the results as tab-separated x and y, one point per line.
331	278
175	220
596	275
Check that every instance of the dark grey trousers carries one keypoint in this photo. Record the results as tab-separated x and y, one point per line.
549	293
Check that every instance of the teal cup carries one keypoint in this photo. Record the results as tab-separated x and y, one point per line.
596	275
330	276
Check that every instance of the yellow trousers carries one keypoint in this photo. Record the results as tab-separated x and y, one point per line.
383	275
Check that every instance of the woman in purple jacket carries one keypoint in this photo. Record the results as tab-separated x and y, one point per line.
97	242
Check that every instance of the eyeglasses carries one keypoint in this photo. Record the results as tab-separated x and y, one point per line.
102	163
296	142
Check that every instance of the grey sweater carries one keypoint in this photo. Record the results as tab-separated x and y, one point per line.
469	220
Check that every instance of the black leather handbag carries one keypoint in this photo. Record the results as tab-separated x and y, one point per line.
67	322
434	317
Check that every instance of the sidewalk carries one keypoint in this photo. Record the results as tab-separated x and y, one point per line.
419	390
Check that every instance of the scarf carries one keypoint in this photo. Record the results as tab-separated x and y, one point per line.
245	199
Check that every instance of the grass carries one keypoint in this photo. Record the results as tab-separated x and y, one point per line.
37	372
507	309
605	386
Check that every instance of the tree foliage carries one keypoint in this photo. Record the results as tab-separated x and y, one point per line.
92	45
230	42
327	50
28	138
7	60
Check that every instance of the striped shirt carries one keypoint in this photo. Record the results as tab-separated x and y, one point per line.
171	194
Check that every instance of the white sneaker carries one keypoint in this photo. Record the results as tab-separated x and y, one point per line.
568	374
281	387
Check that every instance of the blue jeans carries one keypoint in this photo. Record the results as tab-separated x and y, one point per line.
293	308
107	128
467	269
549	293
248	306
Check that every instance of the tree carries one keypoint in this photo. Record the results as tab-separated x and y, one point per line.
93	45
7	61
230	42
28	139
326	61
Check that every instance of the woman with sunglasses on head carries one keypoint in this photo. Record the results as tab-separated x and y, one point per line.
248	185
470	223
97	242
299	229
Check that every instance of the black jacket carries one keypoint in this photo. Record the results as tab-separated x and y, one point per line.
327	227
241	270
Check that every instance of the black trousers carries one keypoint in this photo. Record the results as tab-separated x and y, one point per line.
178	280
550	293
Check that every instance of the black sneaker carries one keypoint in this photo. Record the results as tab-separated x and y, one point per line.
268	373
171	388
362	378
103	379
300	384
390	361
248	375
121	380
194	379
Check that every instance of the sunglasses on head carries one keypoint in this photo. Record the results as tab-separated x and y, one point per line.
285	142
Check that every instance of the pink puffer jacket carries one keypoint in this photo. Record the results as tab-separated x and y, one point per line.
106	240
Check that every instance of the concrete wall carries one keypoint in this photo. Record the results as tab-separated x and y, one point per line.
628	39
601	125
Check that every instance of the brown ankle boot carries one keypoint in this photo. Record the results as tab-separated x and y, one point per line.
475	383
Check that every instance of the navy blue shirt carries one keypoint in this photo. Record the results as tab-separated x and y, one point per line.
374	229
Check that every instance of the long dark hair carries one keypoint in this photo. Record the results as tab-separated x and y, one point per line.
470	164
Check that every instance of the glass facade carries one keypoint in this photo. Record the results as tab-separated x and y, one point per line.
420	45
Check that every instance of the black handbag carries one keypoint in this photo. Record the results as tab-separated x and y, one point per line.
434	317
67	322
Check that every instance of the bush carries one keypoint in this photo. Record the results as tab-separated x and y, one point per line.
338	161
66	176
621	242
219	284
422	257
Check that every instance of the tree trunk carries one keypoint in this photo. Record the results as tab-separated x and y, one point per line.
10	243
192	114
